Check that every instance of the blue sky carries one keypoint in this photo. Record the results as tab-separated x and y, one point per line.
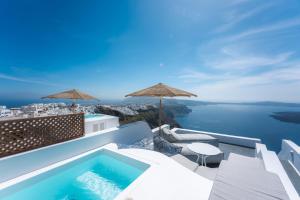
233	50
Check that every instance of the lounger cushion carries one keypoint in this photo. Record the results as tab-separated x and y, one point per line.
168	135
173	137
193	137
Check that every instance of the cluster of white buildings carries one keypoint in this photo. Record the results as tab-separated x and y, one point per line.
122	109
48	109
4	112
41	110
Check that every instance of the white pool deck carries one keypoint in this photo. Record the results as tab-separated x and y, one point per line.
166	178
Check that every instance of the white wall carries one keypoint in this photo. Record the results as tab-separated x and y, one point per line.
16	165
290	152
272	164
107	121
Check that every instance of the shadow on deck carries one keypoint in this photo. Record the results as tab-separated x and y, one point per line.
210	171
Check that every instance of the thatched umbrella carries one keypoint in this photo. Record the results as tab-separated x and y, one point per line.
161	90
70	94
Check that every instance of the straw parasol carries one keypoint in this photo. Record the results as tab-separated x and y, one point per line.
161	90
70	94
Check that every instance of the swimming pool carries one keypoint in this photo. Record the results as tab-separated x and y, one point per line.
101	175
89	116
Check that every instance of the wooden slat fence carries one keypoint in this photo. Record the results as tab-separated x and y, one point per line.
19	135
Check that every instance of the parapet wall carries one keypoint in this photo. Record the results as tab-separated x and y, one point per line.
290	152
22	163
272	164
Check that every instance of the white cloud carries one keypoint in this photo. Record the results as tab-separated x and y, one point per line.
253	63
289	23
235	2
267	92
237	18
13	78
289	72
192	74
195	76
277	85
232	62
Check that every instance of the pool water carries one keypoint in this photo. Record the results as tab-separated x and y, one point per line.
89	116
100	176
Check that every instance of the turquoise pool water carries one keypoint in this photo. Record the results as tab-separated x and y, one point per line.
100	176
89	116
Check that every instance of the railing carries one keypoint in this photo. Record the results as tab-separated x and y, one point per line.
21	135
290	151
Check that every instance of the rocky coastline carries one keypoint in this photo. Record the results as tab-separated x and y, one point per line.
150	114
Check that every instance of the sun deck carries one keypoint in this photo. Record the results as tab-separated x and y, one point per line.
249	148
174	176
229	148
211	170
190	162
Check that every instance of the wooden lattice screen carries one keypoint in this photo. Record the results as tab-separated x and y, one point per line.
30	133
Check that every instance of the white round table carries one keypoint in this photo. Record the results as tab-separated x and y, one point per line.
204	150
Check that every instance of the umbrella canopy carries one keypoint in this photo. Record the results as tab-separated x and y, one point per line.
161	90
70	94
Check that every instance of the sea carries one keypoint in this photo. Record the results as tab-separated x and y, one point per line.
243	120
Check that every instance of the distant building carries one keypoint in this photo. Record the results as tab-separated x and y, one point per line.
4	112
2	107
16	111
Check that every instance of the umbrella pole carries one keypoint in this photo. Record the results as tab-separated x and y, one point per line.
160	113
73	106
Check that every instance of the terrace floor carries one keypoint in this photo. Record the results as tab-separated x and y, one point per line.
229	148
190	163
211	170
